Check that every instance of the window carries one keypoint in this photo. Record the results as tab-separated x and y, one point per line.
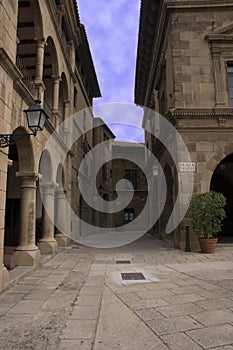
64	30
131	176
129	215
230	82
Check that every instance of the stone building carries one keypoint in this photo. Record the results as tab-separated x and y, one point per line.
44	55
124	166
104	182
184	71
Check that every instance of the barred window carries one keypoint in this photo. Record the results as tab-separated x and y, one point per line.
129	215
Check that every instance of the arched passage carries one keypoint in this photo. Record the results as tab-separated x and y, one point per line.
63	98
47	242
51	75
222	181
21	204
29	31
61	216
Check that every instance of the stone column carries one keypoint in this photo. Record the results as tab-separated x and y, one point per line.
56	85
40	59
48	244
61	218
40	87
66	109
65	118
4	275
55	107
27	253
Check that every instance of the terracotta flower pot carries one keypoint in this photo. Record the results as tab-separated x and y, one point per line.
208	245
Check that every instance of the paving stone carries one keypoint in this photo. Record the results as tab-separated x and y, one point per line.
4	309
173	325
149	314
85	313
162	285
118	326
155	293
38	294
124	330
10	298
89	300
75	345
94	283
213	294
59	300
23	288
215	304
8	321
91	290
26	307
178	310
213	318
188	289
212	336
180	341
130	297
79	329
184	299
146	303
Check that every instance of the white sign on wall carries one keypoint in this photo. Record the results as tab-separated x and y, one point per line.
187	167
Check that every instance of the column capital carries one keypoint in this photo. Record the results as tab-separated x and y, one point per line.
48	188
56	78
60	192
30	176
40	41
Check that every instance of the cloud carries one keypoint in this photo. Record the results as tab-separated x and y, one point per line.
112	29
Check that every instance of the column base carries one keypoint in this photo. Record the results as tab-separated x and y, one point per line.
62	240
48	247
4	279
25	258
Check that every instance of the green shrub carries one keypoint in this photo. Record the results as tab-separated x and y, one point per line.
207	213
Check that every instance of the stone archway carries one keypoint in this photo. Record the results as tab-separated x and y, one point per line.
63	98
47	243
222	181
22	159
212	164
61	219
51	77
29	42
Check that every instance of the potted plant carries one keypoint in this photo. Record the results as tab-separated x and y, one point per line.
207	213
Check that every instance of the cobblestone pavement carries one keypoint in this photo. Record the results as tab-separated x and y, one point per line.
78	300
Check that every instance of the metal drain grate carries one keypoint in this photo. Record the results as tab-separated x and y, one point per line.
132	276
123	262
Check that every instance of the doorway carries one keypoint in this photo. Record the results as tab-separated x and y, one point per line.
222	181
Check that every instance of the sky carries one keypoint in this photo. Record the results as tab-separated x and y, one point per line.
112	30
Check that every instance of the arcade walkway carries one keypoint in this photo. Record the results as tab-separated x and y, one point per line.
79	300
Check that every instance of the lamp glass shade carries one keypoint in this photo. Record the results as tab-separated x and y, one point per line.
36	117
33	118
42	120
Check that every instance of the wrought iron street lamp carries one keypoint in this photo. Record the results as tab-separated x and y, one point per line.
36	118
